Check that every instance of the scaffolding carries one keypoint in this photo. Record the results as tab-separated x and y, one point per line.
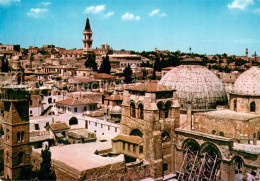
196	167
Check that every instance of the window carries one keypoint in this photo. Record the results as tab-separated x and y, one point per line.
50	100
132	110
75	109
165	167
252	106
140	149
73	121
123	146
85	108
36	126
115	129
168	105
108	127
20	137
101	125
160	108
134	148
20	157
30	102
129	147
30	112
95	124
141	111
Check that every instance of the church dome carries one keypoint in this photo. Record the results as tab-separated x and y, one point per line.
116	110
196	84
248	83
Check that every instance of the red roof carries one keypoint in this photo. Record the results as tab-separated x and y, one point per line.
104	76
75	102
71	102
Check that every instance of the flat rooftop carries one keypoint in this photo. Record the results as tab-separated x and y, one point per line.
81	156
228	114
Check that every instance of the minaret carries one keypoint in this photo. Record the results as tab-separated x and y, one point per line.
87	38
16	124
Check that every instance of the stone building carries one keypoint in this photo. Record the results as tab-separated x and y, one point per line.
16	122
87	38
224	143
149	115
245	97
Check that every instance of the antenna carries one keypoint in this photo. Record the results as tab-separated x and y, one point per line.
190	50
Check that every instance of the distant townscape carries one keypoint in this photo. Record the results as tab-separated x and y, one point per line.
105	114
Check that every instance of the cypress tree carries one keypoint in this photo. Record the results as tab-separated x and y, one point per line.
46	172
105	66
91	61
128	74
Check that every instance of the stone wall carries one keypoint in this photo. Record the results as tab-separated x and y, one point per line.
116	171
230	127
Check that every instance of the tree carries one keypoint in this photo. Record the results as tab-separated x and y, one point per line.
46	172
227	69
153	77
128	74
105	66
91	61
157	63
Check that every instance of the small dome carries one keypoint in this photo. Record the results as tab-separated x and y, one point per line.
116	110
195	84
248	83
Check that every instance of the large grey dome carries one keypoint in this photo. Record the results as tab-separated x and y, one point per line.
248	83
195	84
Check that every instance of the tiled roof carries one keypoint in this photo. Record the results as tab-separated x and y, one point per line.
104	76
114	97
129	139
59	126
71	102
84	80
148	86
89	101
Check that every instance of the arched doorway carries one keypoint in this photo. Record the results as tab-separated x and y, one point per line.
73	121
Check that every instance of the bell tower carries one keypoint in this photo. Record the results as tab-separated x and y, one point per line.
87	38
16	123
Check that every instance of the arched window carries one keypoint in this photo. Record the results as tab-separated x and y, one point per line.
252	106
18	137
20	158
167	109
141	111
132	110
239	164
73	121
50	100
22	136
160	108
235	105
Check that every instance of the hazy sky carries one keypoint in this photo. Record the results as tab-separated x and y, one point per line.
208	26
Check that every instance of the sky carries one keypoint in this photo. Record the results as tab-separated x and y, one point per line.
207	26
